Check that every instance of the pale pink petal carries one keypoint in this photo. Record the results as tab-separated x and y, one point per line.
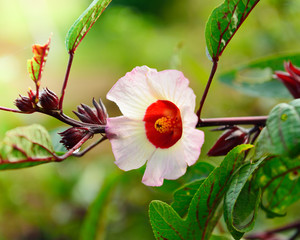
165	164
173	86
132	93
129	143
192	141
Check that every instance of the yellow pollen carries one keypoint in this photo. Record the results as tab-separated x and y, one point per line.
164	124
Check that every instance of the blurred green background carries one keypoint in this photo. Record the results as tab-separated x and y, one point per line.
50	201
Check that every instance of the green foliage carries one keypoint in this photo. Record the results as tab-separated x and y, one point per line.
84	23
201	217
91	223
256	78
279	180
25	147
281	136
223	23
241	201
36	64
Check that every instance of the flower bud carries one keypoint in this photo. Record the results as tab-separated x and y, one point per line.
24	104
49	100
290	78
228	140
72	136
97	115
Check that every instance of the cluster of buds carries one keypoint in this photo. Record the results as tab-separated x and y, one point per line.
290	78
86	114
97	115
231	138
26	104
48	101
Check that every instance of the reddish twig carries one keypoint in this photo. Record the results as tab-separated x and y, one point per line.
71	56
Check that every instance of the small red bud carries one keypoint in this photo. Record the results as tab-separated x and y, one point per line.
72	136
97	115
228	140
290	78
25	104
49	100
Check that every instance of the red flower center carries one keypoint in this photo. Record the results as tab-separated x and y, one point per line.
163	124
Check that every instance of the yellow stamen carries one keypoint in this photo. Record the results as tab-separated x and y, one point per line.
164	124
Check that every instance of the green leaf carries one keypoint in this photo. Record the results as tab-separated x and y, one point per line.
166	223
96	211
184	195
25	147
281	136
211	192
201	217
84	23
256	78
223	23
241	201
279	179
36	65
215	237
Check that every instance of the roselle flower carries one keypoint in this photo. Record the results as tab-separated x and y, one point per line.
72	136
231	138
25	104
97	115
49	100
290	78
157	126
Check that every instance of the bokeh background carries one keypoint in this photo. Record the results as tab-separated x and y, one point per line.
50	201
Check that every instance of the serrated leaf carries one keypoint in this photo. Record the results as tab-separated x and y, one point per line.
184	195
165	222
223	23
241	202
279	179
201	217
84	23
25	147
281	136
256	78
211	192
36	65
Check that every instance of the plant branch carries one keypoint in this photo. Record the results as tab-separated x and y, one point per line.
73	149
12	110
80	154
268	234
71	56
211	122
211	76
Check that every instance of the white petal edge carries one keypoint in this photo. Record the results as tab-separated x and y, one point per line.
132	93
129	142
192	141
172	85
165	164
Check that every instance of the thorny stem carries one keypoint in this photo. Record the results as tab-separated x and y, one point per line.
268	234
71	56
211	76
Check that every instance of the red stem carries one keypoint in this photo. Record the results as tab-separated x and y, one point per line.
12	110
211	122
211	76
71	56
